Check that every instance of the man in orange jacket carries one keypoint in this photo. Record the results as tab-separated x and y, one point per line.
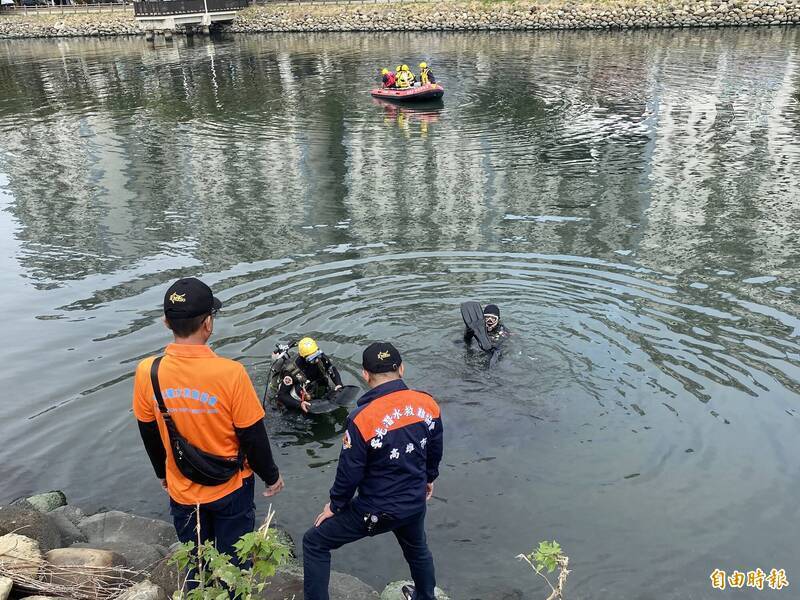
209	402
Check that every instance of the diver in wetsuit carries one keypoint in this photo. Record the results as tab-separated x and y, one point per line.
494	327
307	378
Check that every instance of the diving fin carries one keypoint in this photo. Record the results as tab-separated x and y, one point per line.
472	313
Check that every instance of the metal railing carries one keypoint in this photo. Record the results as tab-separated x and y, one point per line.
151	8
299	2
66	9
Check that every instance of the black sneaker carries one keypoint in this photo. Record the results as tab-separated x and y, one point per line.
408	592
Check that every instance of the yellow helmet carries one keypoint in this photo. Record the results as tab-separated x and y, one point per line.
423	65
404	67
384	71
306	347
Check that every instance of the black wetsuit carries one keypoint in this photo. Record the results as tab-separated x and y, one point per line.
496	335
313	376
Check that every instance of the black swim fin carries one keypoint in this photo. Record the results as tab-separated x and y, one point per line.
472	313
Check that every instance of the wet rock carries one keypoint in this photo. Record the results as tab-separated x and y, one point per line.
117	526
137	556
32	524
20	555
70	534
144	590
393	591
5	587
74	514
48	501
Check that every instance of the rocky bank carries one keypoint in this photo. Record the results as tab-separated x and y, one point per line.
46	541
517	16
435	16
79	25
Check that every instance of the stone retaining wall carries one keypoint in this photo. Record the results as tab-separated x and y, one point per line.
445	16
442	16
46	26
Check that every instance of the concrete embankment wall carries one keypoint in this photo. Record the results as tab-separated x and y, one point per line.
441	16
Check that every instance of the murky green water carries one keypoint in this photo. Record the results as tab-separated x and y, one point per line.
629	199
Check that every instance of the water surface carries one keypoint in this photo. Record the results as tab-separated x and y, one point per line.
629	199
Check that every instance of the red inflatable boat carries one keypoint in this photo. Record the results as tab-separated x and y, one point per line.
432	91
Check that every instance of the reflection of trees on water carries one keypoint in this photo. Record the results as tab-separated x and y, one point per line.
679	147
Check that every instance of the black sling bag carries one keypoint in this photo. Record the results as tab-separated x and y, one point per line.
195	464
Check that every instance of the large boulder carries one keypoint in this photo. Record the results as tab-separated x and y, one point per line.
84	557
288	583
138	556
117	526
78	567
20	555
167	577
32	524
70	534
72	513
5	587
48	500
347	587
285	584
144	590
394	591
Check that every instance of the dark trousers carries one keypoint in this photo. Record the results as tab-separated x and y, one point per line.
223	521
348	526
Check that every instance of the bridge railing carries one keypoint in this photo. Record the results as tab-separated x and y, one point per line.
147	8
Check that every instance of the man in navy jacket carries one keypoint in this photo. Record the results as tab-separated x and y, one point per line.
390	454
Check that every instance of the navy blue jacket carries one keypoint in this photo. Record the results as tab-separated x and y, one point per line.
391	449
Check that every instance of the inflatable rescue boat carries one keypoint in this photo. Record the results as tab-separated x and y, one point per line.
431	91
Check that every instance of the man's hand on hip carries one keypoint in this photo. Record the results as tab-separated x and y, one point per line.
326	514
163	483
274	488
429	491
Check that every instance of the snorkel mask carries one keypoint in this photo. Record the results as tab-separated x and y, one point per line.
491	321
312	358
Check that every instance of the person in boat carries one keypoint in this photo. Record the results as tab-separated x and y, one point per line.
425	74
388	78
412	78
406	78
307	378
494	327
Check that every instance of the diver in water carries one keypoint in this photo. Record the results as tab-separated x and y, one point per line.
483	324
306	378
494	327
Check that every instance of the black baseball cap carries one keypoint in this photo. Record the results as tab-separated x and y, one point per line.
381	357
189	297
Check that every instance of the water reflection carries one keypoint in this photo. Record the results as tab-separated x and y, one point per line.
635	219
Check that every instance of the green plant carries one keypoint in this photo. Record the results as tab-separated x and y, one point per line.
218	577
550	557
